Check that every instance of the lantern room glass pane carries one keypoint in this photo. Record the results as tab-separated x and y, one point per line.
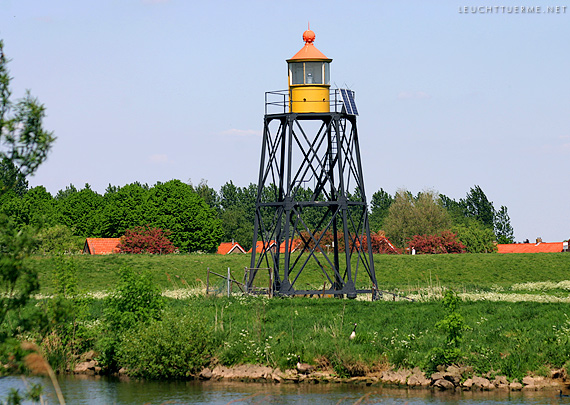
313	72
327	73
296	72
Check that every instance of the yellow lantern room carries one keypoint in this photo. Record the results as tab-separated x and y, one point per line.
309	79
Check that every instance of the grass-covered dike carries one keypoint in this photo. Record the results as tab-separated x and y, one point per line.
511	318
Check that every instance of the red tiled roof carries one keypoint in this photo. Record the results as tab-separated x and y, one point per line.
101	246
259	246
230	247
294	245
530	247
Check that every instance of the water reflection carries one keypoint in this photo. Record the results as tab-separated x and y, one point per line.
83	390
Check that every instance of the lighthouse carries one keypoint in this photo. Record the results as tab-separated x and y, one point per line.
311	217
309	78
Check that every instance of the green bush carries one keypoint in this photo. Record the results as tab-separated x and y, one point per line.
175	347
59	239
136	299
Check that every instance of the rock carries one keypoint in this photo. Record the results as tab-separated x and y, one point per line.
418	379
558	373
444	384
481	383
88	356
205	374
528	380
515	386
467	384
500	380
395	377
86	367
453	374
439	375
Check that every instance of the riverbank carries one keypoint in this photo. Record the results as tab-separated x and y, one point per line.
451	378
514	340
517	330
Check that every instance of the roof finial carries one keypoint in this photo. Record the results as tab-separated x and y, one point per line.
309	36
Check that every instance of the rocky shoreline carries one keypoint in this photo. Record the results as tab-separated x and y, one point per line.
450	379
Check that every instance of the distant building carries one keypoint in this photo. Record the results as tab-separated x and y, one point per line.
539	247
101	246
294	245
228	248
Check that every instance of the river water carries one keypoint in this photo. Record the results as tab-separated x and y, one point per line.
83	390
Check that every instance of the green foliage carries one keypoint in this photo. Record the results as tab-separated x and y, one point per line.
11	178
477	206
24	145
453	325
503	228
175	347
80	210
58	239
136	299
409	216
17	280
380	205
124	208
476	237
193	224
65	276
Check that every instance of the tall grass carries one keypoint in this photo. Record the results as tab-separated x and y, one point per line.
462	272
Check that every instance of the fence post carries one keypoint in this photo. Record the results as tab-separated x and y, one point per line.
208	282
229	283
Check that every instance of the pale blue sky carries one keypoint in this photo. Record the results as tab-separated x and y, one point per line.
143	90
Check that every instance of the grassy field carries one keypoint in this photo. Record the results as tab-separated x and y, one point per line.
406	274
510	338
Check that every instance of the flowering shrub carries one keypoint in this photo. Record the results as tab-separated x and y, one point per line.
381	244
144	239
445	242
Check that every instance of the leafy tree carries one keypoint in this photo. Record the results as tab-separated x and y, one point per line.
409	216
39	207
455	209
208	194
380	205
236	227
58	239
80	211
144	239
237	206
175	206
477	206
24	145
124	208
11	178
23	140
476	237
503	228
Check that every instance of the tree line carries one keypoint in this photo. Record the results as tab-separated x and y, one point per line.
199	217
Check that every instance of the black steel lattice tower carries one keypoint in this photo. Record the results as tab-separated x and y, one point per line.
311	213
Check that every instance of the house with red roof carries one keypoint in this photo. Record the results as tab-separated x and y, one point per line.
539	247
101	246
293	246
227	248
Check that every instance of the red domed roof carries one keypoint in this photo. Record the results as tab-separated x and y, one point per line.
309	51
